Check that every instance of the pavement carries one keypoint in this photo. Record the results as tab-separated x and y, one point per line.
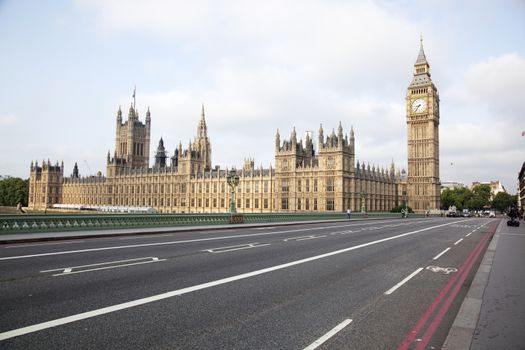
492	315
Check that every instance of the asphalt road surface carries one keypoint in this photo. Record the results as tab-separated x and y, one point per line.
382	284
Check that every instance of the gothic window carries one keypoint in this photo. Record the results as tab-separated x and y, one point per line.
215	202
330	204
315	203
256	187
284	185
265	186
330	184
299	185
207	202
200	202
222	202
307	185
247	202
238	203
307	204
284	203
256	203
299	204
285	164
265	203
192	202
315	185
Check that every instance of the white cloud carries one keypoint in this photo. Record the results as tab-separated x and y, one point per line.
8	119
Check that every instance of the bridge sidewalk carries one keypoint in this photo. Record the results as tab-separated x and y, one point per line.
492	315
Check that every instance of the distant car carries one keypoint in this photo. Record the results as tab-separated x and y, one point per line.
513	222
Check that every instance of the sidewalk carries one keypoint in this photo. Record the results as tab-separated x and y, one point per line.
492	315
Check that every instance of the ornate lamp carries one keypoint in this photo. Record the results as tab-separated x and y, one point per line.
233	180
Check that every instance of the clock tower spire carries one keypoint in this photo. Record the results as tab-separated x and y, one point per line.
422	103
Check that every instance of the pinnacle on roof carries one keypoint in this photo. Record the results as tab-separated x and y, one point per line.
421	58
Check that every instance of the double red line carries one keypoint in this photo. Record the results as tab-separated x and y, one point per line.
453	286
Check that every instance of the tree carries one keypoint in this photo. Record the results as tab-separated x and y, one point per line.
480	197
401	207
459	197
14	190
502	201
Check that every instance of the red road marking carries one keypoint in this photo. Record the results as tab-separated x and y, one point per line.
463	272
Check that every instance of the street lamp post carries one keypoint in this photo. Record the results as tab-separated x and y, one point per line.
233	180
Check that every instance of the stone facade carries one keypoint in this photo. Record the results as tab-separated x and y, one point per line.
422	108
306	178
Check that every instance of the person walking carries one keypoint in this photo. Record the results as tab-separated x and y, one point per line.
349	213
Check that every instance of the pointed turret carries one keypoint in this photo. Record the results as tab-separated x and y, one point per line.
421	66
160	156
277	141
202	129
293	138
321	136
75	171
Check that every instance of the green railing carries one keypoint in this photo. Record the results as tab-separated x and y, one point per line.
76	222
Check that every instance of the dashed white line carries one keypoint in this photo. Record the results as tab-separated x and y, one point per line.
439	255
109	309
234	248
458	241
405	280
311	237
328	335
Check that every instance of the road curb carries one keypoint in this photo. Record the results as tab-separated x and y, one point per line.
62	236
462	331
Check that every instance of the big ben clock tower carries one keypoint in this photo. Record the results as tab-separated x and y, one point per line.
422	103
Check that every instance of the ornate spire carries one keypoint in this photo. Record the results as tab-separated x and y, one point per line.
202	129
421	58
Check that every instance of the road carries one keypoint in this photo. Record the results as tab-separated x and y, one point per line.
381	284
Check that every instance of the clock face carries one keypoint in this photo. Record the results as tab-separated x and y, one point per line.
419	106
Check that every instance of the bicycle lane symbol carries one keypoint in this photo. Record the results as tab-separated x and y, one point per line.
445	270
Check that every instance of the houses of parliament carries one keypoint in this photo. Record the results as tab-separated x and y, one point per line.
306	178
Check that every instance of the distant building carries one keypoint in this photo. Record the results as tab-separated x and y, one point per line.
495	187
521	187
307	177
451	185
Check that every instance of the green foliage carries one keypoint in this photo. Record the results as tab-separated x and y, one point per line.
502	201
14	190
458	197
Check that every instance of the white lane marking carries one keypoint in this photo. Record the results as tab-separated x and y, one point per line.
311	237
66	272
468	234
393	289
328	335
445	270
181	242
265	228
439	255
42	244
234	247
81	269
100	264
458	241
127	305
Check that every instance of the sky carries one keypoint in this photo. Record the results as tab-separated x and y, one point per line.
259	66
